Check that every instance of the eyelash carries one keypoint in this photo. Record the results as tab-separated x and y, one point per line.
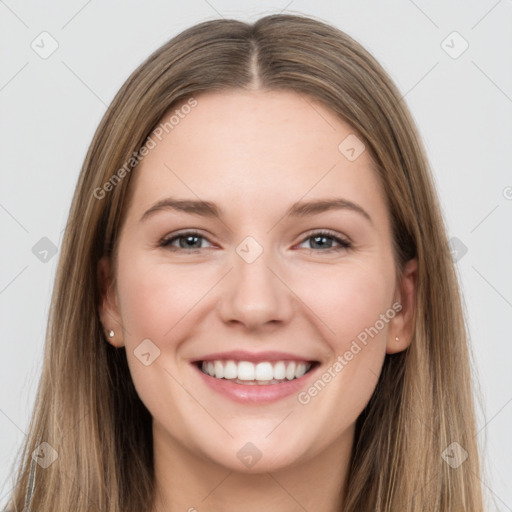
343	243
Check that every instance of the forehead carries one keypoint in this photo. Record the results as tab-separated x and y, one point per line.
256	148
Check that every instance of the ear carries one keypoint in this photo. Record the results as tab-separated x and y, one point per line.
402	325
108	307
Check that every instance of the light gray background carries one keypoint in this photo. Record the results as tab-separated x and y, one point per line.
463	106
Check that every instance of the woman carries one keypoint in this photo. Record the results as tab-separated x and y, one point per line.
206	349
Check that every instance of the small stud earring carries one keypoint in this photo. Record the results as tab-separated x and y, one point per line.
111	333
397	339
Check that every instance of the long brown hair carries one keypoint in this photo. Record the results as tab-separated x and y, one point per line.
87	408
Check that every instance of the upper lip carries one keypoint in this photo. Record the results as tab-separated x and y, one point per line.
254	357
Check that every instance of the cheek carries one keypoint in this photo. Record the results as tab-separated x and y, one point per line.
355	305
154	297
348	299
156	303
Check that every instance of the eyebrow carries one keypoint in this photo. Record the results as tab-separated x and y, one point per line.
298	209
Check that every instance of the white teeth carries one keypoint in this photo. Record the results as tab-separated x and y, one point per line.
245	372
300	370
264	371
290	371
219	369
230	370
279	370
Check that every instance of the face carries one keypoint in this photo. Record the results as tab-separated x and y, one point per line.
267	286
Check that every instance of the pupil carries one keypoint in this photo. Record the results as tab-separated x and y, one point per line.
316	238
189	238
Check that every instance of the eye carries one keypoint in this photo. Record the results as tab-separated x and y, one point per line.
191	241
321	239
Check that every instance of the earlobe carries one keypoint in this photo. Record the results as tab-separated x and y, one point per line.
107	307
401	330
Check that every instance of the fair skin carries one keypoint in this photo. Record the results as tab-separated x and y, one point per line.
254	154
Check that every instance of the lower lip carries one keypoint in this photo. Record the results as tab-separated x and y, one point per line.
257	393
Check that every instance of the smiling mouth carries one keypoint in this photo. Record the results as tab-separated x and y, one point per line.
262	373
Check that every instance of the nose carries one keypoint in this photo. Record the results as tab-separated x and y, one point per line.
254	294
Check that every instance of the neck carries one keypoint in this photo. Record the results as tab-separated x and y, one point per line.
186	482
